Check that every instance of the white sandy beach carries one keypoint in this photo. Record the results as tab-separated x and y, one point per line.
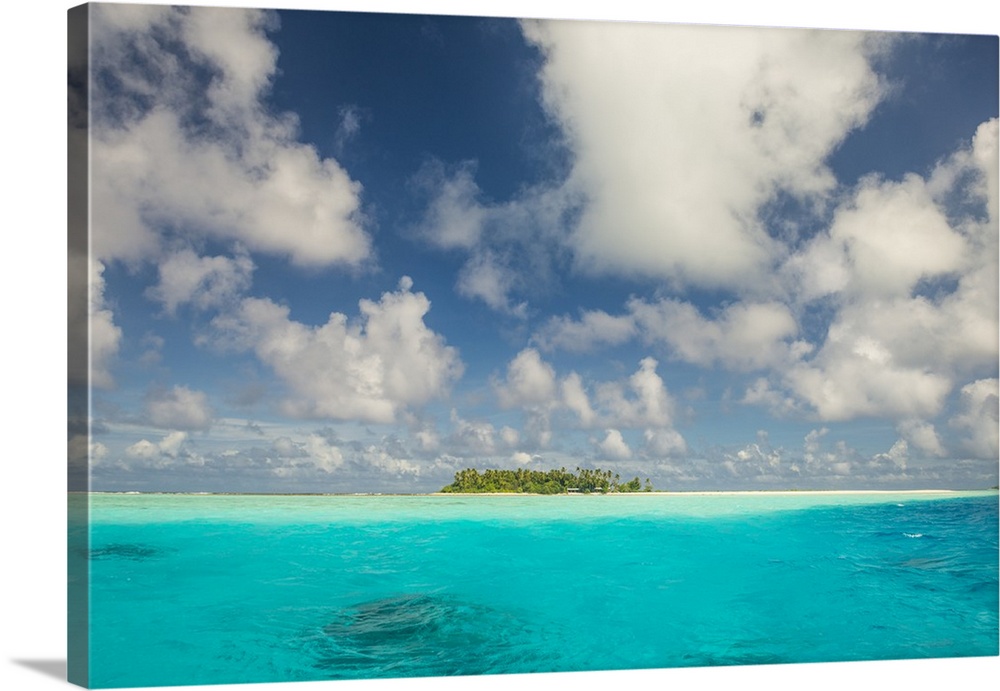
806	492
709	493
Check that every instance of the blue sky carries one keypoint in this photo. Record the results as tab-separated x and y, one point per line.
348	252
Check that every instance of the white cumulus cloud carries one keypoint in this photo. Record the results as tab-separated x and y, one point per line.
681	134
614	446
105	336
743	336
978	417
179	408
169	451
640	402
509	246
322	453
369	369
240	174
593	329
205	282
487	278
922	435
662	443
911	281
888	237
530	381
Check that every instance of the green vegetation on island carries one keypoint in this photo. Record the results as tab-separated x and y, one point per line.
524	481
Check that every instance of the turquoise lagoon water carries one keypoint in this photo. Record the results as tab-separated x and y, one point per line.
193	589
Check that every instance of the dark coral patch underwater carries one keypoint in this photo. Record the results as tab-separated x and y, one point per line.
134	552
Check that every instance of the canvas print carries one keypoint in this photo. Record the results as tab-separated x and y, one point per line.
406	345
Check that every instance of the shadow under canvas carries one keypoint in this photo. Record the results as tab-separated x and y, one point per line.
50	668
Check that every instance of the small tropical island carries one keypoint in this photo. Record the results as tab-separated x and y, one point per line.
524	481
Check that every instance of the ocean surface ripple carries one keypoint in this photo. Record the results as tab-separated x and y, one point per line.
246	589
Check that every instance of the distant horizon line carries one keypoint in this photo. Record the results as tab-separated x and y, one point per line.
502	494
